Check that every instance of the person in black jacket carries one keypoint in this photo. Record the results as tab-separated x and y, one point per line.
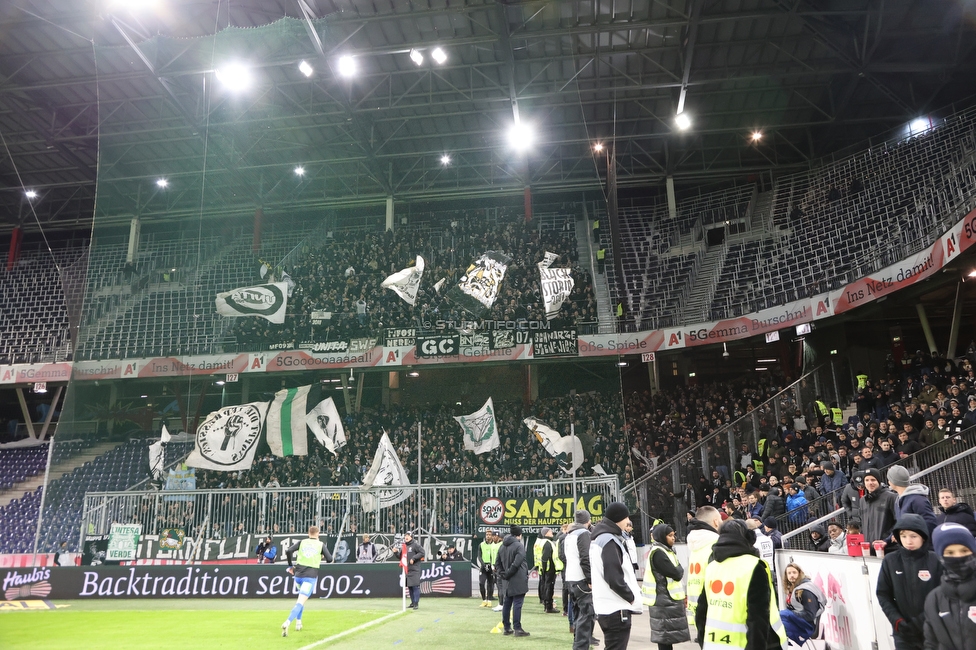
819	539
669	624
511	569
775	506
415	555
955	511
907	576
948	624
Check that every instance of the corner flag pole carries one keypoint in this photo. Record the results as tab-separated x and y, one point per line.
572	432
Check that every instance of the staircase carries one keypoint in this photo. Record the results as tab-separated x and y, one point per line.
59	470
601	290
761	213
696	310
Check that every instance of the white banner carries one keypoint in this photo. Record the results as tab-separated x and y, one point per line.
228	438
326	425
567	450
480	284
385	472
406	283
287	434
556	285
480	429
123	539
265	300
157	453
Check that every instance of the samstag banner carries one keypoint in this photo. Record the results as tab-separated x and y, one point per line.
535	513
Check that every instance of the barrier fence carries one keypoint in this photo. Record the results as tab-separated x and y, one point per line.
434	509
660	492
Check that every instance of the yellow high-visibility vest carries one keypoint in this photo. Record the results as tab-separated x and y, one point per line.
726	589
821	408
649	589
838	416
540	542
862	382
697	561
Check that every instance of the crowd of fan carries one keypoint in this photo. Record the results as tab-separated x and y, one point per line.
343	276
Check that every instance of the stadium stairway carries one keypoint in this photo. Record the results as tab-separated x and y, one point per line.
584	246
703	291
58	471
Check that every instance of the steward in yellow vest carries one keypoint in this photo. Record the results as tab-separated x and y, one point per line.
662	590
836	414
549	564
702	534
737	606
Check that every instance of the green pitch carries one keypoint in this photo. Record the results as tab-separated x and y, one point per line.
439	624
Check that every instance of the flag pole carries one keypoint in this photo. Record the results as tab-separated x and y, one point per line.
572	432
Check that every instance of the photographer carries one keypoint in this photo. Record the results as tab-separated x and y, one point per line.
266	551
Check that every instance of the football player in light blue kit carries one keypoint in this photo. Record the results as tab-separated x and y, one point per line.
311	552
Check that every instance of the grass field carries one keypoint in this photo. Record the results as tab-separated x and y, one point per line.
439	624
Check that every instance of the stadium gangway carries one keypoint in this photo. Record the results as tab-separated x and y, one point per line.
720	449
933	455
957	473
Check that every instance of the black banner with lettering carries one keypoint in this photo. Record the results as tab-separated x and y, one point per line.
555	343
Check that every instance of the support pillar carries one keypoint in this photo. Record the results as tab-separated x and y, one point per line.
16	237
654	376
50	413
528	204
926	328
258	224
26	413
389	213
135	233
956	319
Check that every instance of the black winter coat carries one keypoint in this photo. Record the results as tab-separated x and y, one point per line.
415	555
955	630
905	580
510	567
669	623
774	507
961	513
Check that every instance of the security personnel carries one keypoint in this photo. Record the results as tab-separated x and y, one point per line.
549	564
836	414
601	259
311	552
663	592
822	412
737	607
616	593
702	535
862	381
488	555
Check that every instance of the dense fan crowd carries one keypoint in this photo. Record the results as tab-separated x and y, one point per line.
342	278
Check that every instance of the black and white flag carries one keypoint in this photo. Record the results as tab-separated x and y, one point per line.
480	429
567	450
481	283
556	285
406	283
227	439
265	300
382	484
157	454
326	425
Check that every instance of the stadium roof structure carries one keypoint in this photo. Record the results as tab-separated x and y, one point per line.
86	79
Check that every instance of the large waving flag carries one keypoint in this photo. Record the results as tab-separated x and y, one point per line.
265	300
227	439
287	433
157	454
387	474
406	283
567	450
326	425
556	285
480	284
480	429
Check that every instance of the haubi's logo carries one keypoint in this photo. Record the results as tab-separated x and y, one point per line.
17	585
228	437
263	300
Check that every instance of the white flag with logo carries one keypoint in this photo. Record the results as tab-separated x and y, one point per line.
567	450
287	434
228	438
480	429
326	425
157	454
481	283
406	283
382	484
265	300
556	285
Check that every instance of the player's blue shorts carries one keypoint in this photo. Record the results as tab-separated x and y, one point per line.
305	585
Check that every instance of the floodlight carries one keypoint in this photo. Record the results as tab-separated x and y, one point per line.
416	56
972	273
438	55
520	136
683	121
162	183
299	171
347	66
920	124
598	147
757	136
305	68
234	76
445	160
31	194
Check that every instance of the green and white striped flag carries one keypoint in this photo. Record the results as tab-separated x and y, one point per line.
287	432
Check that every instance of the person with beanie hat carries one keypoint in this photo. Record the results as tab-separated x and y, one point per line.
906	578
912	499
949	607
513	574
833	480
770	529
616	594
877	509
736	570
662	591
775	505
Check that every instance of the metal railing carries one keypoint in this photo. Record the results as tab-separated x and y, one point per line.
433	509
658	493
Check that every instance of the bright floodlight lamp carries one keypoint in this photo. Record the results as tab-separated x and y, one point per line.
162	183
682	121
347	66
234	76
299	171
417	56
445	160
919	124
305	68
439	56
520	136
598	147
30	194
757	136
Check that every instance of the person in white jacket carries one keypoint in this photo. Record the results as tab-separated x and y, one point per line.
838	539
